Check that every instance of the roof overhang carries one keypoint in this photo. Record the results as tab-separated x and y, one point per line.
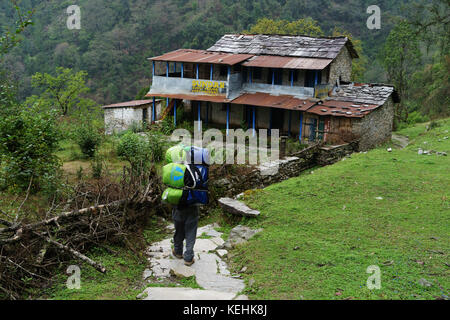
193	97
129	104
202	56
268	100
288	63
342	109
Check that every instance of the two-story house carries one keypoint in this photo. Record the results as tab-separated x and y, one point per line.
297	84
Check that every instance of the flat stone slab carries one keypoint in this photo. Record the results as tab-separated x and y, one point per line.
237	207
239	235
182	271
210	271
186	294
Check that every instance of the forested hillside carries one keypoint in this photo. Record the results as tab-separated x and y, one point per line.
117	36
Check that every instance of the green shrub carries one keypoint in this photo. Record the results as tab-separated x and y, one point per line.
88	138
167	125
28	142
156	147
134	149
416	117
137	127
97	167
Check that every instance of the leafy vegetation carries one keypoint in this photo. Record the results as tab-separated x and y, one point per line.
88	138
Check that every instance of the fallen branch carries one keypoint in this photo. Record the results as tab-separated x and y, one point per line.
98	266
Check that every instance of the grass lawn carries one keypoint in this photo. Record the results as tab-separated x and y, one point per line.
322	230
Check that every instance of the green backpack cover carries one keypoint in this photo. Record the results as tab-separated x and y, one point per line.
173	175
176	154
172	196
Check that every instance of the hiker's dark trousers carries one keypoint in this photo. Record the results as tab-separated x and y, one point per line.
186	223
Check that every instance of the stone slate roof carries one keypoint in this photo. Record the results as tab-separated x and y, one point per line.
376	94
280	45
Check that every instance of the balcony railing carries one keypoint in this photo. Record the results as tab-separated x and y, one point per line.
298	92
169	85
230	89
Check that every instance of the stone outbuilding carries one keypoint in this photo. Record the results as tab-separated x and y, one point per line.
120	116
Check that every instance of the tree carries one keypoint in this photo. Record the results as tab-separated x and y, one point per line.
307	27
432	21
10	39
63	91
401	58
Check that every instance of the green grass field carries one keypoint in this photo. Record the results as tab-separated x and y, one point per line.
322	230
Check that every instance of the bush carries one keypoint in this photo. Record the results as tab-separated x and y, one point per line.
167	125
88	138
137	127
156	147
134	149
28	142
416	117
141	151
97	167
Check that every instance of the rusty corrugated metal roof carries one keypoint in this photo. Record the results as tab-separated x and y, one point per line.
128	104
288	62
268	100
202	56
194	97
342	109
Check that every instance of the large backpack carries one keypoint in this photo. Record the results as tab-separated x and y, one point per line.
186	174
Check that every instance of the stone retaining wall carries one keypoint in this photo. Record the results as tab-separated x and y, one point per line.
267	174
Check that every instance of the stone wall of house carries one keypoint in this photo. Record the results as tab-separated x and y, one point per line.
119	119
376	127
341	67
277	171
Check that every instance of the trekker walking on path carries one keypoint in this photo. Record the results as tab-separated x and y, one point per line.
185	219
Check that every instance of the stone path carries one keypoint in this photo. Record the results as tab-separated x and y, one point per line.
211	272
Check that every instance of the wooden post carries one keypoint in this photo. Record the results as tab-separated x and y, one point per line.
301	127
290	121
228	118
153	109
175	113
270	122
254	120
199	115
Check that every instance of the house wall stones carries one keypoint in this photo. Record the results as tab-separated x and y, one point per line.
376	127
341	67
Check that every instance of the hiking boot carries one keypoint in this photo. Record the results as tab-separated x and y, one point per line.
189	263
178	256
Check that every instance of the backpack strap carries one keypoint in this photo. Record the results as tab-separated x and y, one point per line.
189	169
